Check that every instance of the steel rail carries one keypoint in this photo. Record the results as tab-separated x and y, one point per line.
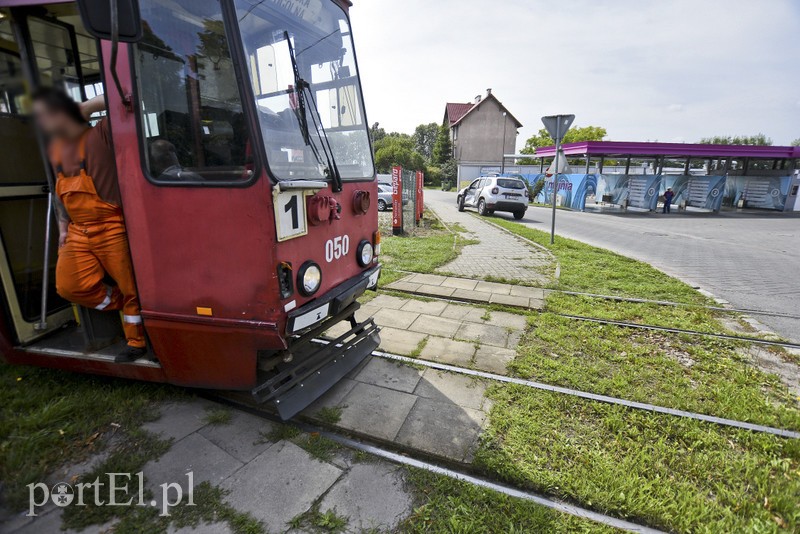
593	396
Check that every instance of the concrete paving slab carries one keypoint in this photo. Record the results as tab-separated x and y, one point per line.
474	296
493	359
333	397
448	351
509	320
428	307
402	285
400	341
486	334
459	283
281	483
372	496
195	454
536	304
438	326
179	419
448	387
427	279
528	292
376	411
242	438
395	318
509	300
513	339
456	311
494	288
436	291
388	301
388	374
442	428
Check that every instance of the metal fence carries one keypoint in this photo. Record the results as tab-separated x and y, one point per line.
404	220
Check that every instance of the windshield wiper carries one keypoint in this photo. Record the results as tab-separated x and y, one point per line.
303	88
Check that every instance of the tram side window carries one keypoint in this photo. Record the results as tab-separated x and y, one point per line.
193	123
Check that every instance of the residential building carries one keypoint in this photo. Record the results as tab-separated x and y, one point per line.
481	131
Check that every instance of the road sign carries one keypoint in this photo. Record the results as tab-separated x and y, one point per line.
557	125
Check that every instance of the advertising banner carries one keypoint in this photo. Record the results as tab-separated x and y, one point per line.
397	200
762	192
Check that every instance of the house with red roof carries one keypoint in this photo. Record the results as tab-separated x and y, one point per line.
482	130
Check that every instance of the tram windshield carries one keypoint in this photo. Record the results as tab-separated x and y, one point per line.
303	71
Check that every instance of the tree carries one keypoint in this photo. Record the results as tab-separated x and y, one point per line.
443	148
424	138
397	150
796	142
758	140
574	135
450	171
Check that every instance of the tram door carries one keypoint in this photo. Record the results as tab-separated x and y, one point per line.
42	45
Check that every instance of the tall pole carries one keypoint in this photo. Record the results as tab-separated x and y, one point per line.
503	148
555	183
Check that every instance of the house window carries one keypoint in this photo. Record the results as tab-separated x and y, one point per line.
455	133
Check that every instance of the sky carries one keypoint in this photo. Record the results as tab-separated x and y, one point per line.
667	70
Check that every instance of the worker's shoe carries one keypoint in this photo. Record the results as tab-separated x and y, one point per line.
130	354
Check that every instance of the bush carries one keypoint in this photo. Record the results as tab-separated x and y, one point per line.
535	189
433	176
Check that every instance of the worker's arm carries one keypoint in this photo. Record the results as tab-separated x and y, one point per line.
63	221
93	105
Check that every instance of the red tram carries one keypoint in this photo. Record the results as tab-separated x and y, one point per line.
259	236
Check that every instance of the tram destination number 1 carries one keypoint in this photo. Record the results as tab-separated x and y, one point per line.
290	215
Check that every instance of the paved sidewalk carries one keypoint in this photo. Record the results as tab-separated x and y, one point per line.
463	289
498	254
275	480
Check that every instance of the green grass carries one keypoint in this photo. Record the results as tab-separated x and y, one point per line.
218	416
671	473
447	506
49	418
431	247
329	414
596	270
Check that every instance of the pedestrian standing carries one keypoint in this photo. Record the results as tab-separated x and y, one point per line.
668	196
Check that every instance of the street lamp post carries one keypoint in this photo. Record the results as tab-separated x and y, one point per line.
503	148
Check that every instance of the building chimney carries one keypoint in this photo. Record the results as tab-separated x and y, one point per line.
488	91
478	99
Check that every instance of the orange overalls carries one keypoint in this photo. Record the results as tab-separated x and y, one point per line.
96	244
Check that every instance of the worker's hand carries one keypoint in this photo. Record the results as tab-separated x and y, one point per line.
85	111
62	239
93	105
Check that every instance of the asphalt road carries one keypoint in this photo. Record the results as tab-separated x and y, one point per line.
751	259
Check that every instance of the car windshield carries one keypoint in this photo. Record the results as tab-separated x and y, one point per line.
510	184
303	72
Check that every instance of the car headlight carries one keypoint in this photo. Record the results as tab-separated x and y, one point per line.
365	253
309	278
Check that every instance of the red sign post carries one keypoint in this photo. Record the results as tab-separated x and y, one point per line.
420	206
397	200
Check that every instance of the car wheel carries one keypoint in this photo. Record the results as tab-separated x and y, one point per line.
482	207
460	203
381	205
519	214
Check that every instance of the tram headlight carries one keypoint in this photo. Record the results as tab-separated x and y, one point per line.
365	253
309	278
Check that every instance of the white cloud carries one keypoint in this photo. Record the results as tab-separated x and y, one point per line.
729	65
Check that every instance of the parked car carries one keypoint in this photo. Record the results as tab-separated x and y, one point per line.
495	193
384	197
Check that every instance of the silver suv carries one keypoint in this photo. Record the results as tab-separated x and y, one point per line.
495	193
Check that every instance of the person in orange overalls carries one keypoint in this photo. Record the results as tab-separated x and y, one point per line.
92	239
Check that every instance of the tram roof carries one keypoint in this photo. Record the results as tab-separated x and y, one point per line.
677	150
